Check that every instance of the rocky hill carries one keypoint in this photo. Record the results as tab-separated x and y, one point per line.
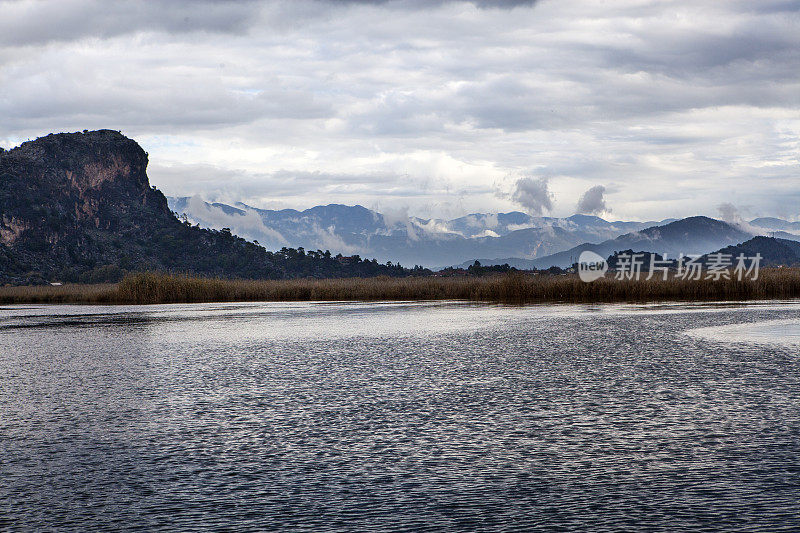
79	207
774	252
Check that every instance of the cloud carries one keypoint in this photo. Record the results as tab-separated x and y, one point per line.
30	22
593	201
326	239
426	4
729	212
398	217
424	103
482	220
533	195
247	223
435	228
34	22
733	215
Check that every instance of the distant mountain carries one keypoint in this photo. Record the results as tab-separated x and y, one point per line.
409	240
79	207
693	235
773	251
499	224
775	224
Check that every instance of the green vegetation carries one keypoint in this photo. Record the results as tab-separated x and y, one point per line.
514	287
476	269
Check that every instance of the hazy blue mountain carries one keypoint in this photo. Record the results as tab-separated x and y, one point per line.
409	240
784	235
693	235
499	224
775	224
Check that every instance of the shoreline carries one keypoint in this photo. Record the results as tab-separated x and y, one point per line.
515	288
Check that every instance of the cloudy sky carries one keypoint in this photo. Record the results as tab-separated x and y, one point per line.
638	109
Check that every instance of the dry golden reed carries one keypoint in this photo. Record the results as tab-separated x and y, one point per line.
152	288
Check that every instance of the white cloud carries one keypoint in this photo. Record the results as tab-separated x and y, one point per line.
533	195
247	224
430	105
593	201
735	216
326	239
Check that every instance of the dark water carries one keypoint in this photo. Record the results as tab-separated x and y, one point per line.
396	417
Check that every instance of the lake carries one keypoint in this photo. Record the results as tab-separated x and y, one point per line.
400	417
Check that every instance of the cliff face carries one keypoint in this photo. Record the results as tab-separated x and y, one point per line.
79	207
92	180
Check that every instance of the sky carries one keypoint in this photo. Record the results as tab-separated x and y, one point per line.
633	110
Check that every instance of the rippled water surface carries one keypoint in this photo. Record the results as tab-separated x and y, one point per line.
399	417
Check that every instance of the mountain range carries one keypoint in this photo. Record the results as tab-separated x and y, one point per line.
688	236
409	240
516	238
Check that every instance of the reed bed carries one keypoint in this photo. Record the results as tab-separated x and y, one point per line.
153	288
62	294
